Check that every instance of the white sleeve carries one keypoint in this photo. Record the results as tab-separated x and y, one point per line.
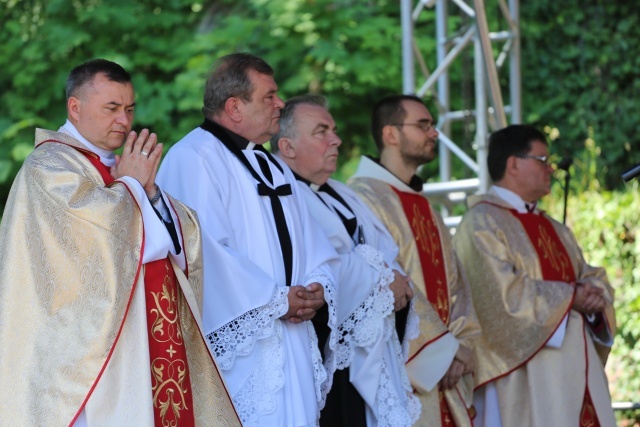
157	240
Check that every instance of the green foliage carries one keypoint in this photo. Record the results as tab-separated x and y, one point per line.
580	76
576	66
347	50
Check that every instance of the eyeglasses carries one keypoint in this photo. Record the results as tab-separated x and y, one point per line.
424	126
542	159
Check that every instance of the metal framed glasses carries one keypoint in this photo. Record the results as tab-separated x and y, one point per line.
424	126
545	160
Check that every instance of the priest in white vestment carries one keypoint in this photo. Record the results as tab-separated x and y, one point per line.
266	261
87	243
370	286
546	315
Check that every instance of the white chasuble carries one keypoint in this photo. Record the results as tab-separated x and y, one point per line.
272	367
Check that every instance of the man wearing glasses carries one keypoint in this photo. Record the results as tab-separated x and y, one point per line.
440	362
547	316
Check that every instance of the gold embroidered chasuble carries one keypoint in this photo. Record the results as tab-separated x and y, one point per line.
70	275
387	205
519	312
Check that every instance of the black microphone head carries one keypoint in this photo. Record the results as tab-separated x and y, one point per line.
631	173
565	163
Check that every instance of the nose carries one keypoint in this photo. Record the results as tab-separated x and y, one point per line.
335	140
125	118
279	103
435	132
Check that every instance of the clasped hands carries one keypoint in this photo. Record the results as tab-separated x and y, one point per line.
140	160
304	302
588	299
463	363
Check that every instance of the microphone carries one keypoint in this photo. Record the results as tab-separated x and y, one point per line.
565	163
631	173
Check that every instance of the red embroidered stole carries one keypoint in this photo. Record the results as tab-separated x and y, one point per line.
446	419
170	381
427	236
554	259
556	265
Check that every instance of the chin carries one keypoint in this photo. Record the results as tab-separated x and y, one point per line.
114	145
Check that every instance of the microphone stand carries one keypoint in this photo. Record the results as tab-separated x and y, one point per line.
564	165
567	178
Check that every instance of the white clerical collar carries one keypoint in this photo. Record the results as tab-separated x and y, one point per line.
370	169
513	199
314	187
108	158
250	145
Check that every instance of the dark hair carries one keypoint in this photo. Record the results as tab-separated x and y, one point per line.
83	74
514	140
287	129
387	111
230	78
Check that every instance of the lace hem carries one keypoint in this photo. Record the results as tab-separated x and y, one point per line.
367	323
396	408
238	337
323	380
323	372
412	330
256	397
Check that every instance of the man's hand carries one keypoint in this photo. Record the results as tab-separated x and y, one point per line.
462	364
589	299
304	302
140	160
402	292
451	378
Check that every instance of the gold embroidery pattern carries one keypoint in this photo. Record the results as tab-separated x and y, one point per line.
445	412
550	251
425	234
420	229
170	381
442	304
588	416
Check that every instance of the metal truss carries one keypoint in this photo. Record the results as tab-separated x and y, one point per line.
489	112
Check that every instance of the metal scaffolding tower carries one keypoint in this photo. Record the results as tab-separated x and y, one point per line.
489	111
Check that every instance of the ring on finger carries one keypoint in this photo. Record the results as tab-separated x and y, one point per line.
144	153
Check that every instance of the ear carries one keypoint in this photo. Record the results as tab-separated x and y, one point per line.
286	148
73	108
390	135
233	108
511	167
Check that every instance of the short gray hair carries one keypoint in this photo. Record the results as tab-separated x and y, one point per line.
230	78
287	128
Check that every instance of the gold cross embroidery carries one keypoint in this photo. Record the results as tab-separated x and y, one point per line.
550	251
420	230
171	351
